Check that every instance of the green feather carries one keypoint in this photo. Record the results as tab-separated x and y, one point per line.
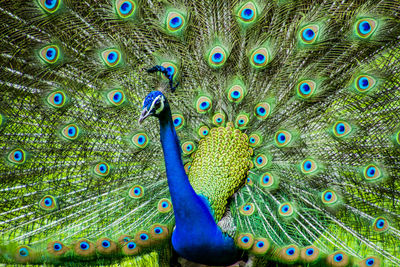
280	104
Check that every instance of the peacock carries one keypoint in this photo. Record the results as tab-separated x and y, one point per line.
214	132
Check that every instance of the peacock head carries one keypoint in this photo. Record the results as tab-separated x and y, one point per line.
153	104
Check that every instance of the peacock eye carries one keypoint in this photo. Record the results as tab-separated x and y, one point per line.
125	9
111	57
175	21
50	54
50	6
365	27
309	34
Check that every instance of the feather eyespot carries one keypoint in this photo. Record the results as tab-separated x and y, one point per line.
341	129
70	132
260	246
236	93
175	21
241	121
217	57
365	27
56	99
123	239
308	166
111	57
309	34
282	138
364	83
50	6
142	238
131	245
305	89
247	13
187	167
102	169
125	8
290	253
130	248
116	97
24	254
262	110
247	209
50	54
218	119
17	156
259	58
261	161
338	259
106	246
48	203
372	173
203	131
329	197
136	191
203	104
267	180
84	248
245	241
310	251
159	232
309	254
380	224
164	205
188	147
140	140
370	261
178	120
254	140
286	210
57	248
171	68
84	245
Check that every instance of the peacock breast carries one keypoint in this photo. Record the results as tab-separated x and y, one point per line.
220	166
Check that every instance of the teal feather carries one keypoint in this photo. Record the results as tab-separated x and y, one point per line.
311	86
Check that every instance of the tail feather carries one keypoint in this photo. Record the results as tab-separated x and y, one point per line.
312	84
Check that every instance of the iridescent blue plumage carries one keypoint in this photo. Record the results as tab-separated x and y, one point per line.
168	73
196	236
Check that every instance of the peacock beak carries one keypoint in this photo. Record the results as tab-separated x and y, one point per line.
144	115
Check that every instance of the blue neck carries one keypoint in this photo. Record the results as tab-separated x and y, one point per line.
196	236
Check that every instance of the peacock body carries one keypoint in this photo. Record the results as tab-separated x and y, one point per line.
278	126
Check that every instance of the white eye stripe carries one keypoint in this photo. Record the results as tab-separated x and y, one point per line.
162	104
161	98
154	102
160	108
